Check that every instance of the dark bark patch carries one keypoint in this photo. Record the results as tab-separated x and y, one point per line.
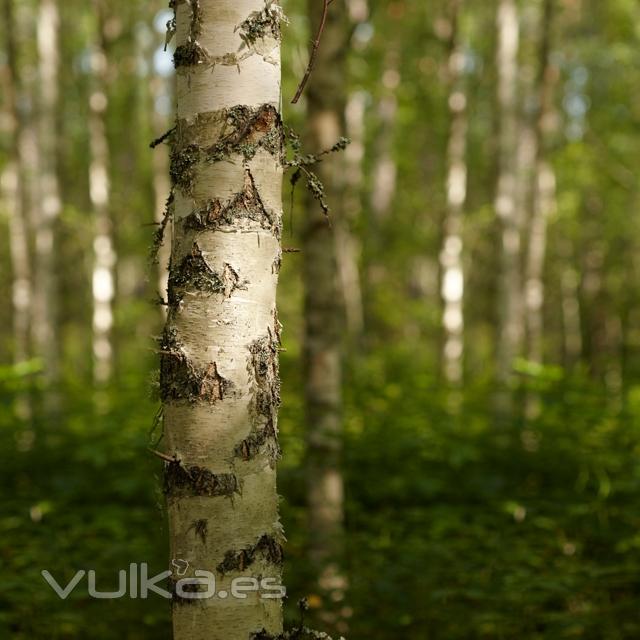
182	163
193	273
264	370
246	205
181	380
260	24
200	528
192	53
267	547
259	440
181	480
159	235
186	588
239	129
251	129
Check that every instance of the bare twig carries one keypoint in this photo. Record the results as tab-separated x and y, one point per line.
314	51
164	456
162	138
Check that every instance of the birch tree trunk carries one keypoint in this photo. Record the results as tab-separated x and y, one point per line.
510	330
12	178
452	285
543	194
104	256
219	351
348	245
323	310
385	171
47	212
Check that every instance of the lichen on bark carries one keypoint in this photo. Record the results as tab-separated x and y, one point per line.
191	52
260	24
194	274
241	130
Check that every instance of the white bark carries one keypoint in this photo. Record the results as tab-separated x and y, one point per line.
13	188
384	169
48	210
347	244
219	377
544	192
451	263
104	256
510	306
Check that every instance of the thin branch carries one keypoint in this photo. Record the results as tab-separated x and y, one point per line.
314	51
164	456
154	143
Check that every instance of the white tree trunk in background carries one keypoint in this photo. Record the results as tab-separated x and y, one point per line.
452	284
384	170
348	244
104	256
510	304
219	352
47	212
12	188
544	192
323	313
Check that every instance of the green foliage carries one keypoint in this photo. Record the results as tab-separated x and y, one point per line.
459	525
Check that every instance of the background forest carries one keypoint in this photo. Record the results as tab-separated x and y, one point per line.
485	302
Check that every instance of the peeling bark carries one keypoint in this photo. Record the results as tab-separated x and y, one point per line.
219	351
267	546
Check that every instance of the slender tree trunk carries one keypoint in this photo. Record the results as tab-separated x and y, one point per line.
12	178
104	256
384	169
452	285
323	311
544	194
510	330
383	179
348	245
45	279
349	248
219	352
